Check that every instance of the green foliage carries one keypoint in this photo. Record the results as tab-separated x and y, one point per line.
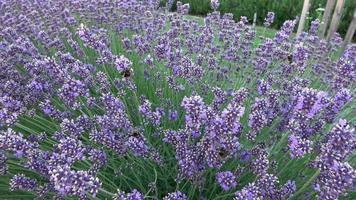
284	9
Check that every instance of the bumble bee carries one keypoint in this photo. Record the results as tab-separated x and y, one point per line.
135	133
127	73
223	153
290	58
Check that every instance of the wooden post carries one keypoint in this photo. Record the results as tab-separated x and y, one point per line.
350	32
254	20
303	16
327	12
336	19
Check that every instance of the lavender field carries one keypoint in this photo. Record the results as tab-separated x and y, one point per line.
124	100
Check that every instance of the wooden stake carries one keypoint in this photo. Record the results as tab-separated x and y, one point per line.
336	19
350	32
326	17
254	20
303	16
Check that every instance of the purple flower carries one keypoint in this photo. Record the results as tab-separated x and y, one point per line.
314	26
261	163
110	139
175	137
240	96
300	56
269	19
245	156
289	189
336	175
299	146
334	181
12	141
173	115
258	117
220	97
178	195
263	87
214	4
195	113
153	116
71	90
90	38
69	182
267	184
249	192
226	180
122	64
188	161
134	195
182	9
71	128
137	145
21	182
340	143
98	157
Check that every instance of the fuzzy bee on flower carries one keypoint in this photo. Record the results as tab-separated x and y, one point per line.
123	65
127	73
223	153
135	132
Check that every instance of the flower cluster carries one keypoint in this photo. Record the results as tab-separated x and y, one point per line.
215	4
269	19
118	95
122	64
21	182
226	180
154	117
134	195
196	114
265	187
336	175
178	195
303	124
69	182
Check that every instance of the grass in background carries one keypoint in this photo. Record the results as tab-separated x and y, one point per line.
284	9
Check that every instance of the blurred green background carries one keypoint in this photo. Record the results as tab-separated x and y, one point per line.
284	9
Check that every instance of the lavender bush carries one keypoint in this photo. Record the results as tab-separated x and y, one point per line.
119	99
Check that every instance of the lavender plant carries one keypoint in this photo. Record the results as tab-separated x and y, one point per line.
120	99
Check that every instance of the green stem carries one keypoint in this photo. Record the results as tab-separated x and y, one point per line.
306	184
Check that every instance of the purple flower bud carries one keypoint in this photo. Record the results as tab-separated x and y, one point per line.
196	113
289	189
178	195
134	195
122	64
69	182
299	146
226	180
269	19
21	182
214	4
173	115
